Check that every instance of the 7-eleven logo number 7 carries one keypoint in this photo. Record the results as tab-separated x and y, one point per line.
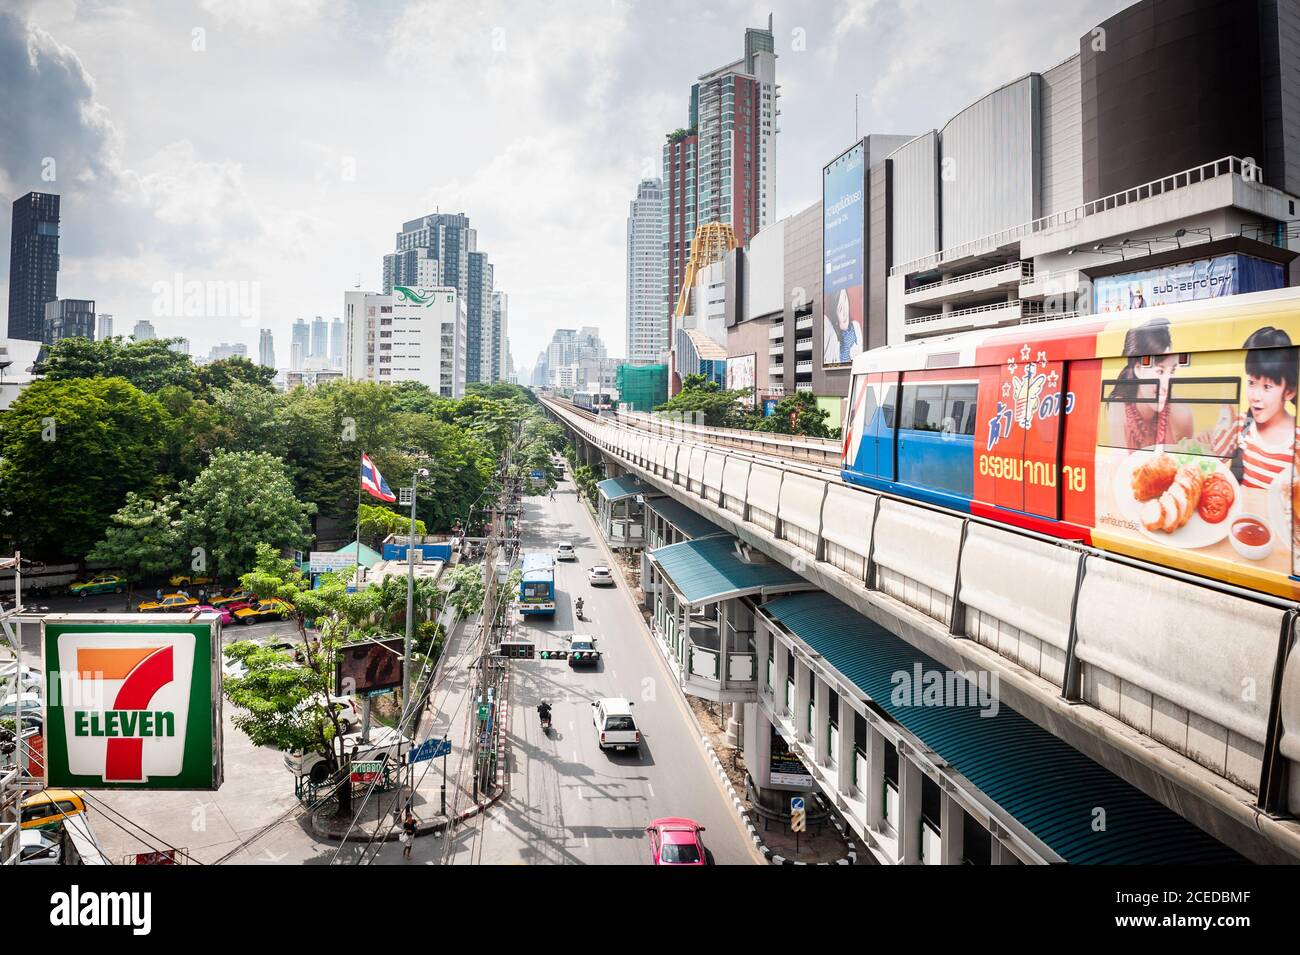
143	672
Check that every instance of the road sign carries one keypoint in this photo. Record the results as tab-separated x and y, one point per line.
537	475
431	748
798	814
325	561
366	771
484	711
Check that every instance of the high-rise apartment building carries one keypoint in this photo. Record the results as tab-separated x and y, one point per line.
338	343
722	167
442	250
479	303
265	349
144	331
414	334
105	323
33	264
300	345
320	344
502	366
69	318
647	318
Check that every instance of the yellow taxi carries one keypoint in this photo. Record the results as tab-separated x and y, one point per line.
272	609
47	808
169	603
188	580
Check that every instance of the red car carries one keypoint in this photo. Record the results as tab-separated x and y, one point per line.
676	841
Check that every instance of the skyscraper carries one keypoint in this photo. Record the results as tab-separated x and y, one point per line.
502	367
722	167
647	321
300	346
319	338
105	326
338	342
480	343
69	318
265	349
144	331
33	263
442	249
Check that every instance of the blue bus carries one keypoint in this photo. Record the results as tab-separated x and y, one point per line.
537	588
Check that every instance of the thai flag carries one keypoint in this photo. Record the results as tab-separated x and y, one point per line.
373	483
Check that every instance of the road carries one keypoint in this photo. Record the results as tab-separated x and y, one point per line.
569	802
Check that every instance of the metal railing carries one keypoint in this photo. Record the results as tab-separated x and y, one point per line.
1024	308
1228	165
1025	270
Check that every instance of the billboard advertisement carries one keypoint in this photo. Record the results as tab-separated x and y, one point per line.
844	249
1186	282
133	701
1169	436
785	766
369	667
740	373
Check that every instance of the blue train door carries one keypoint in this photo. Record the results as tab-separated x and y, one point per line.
874	400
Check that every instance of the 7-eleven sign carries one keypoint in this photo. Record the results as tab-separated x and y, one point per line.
133	701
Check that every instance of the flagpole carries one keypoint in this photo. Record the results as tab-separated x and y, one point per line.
356	565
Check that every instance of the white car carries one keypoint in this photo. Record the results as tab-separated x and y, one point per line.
40	848
31	704
615	727
564	551
600	576
15	679
383	741
349	713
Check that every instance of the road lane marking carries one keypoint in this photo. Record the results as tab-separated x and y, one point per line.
651	787
570	726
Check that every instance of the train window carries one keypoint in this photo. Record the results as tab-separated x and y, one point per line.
959	409
922	407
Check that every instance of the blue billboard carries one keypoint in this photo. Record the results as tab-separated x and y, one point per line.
844	248
1186	281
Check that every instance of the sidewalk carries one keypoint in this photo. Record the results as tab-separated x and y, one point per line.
449	713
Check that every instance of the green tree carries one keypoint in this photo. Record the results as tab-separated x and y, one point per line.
241	500
706	400
149	365
376	522
227	371
143	538
283	703
467	590
70	452
796	414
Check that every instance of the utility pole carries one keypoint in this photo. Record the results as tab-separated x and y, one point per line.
407	691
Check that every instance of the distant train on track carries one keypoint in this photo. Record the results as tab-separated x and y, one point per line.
597	402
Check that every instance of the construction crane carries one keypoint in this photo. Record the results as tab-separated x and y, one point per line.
712	242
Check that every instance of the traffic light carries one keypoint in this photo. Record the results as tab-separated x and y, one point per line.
515	650
554	654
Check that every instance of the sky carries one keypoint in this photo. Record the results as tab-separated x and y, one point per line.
269	150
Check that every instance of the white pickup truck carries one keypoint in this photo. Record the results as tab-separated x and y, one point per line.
615	727
383	741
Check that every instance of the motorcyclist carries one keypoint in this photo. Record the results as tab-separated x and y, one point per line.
544	711
578	607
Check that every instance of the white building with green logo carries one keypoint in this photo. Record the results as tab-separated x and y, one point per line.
414	334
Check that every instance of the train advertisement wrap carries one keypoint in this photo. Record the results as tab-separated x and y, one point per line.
1167	434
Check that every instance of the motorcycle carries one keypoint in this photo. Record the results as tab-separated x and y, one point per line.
545	718
577	609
